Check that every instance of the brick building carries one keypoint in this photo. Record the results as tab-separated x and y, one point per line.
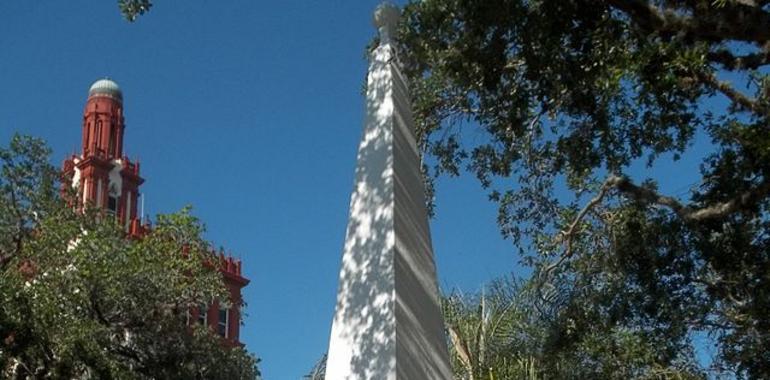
103	176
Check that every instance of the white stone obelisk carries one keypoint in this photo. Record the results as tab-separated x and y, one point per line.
388	323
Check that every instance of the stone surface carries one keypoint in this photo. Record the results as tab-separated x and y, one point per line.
387	323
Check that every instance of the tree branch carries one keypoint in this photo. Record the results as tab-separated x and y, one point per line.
568	235
731	62
649	196
648	16
735	96
733	21
687	213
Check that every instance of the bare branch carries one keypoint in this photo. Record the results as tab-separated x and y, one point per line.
735	96
530	135
570	233
646	195
568	236
687	213
649	196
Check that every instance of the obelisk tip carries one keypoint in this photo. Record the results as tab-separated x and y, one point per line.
386	20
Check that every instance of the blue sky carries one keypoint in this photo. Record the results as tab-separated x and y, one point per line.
251	112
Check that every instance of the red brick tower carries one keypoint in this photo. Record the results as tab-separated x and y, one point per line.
101	174
226	322
103	177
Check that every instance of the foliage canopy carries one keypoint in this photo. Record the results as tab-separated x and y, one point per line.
506	332
81	300
564	97
131	9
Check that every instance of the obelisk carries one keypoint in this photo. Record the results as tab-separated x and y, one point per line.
388	323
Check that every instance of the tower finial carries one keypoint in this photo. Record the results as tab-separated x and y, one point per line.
386	20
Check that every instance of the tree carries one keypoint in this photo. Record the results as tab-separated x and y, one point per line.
492	335
510	331
564	97
81	300
131	9
318	372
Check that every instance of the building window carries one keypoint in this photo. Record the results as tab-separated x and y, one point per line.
112	140
224	323
97	144
202	311
112	204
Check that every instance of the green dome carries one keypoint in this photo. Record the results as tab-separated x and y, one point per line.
106	87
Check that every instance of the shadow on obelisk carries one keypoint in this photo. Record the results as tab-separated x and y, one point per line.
370	235
388	321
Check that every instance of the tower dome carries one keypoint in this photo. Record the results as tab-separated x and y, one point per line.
107	87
